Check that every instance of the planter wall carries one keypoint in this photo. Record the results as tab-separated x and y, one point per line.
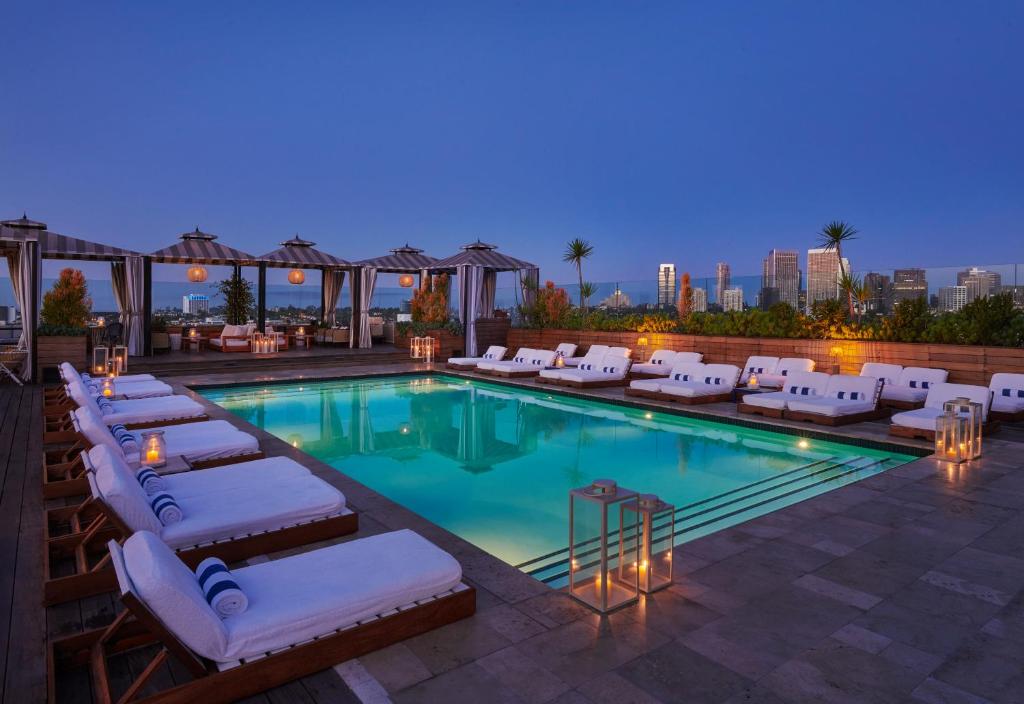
966	364
445	344
491	331
52	350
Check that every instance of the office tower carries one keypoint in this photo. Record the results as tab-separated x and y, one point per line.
700	300
908	284
721	282
979	283
952	298
195	304
667	285
780	278
823	272
732	299
880	299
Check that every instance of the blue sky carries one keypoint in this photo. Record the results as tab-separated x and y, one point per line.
660	132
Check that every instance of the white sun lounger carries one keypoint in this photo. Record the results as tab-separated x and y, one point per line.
494	353
920	422
1008	396
130	387
679	375
595	353
785	368
522	355
537	360
661	362
758	365
887	373
798	385
67	370
690	383
912	387
140	411
610	371
847	399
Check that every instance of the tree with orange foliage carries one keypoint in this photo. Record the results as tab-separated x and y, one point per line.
67	304
685	304
430	302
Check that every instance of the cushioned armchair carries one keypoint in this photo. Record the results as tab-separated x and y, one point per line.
233	338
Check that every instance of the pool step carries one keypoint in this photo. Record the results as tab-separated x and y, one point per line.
707	515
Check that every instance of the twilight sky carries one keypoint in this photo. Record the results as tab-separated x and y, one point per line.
672	131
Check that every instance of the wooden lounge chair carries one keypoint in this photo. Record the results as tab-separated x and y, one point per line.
848	399
659	366
920	422
1007	397
494	353
690	384
218	681
910	390
773	404
612	370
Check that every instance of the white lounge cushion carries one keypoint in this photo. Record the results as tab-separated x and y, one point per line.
800	385
153	410
889	373
141	389
920	418
594	353
652	368
1008	390
612	367
938	394
522	356
646	384
845	394
67	372
227	344
904	393
830	406
758	365
567	349
913	384
494	353
691	389
787	367
770	399
205	440
552	373
688	357
679	372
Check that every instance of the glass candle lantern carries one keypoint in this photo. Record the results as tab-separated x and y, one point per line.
752	381
958	430
100	357
112	370
600	576
414	348
107	389
121	357
154	449
559	359
655	538
193	333
428	349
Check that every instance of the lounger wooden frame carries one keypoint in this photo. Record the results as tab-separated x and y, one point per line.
900	405
62	428
764	411
92	523
1007	416
571	383
990	427
648	375
833	421
462	367
64	471
510	374
685	400
138	627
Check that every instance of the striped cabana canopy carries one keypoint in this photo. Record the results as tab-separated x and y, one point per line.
298	253
199	247
402	260
53	245
483	255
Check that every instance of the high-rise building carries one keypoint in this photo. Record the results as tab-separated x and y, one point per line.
908	284
732	299
667	285
780	278
952	298
979	283
700	300
721	282
195	304
880	298
1016	293
823	272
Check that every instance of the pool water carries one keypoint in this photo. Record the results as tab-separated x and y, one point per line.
494	464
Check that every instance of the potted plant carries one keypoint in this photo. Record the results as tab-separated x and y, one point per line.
62	334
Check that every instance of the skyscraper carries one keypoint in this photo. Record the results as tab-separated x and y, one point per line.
780	278
732	299
700	300
979	283
721	282
908	284
195	304
667	285
952	298
880	298
823	272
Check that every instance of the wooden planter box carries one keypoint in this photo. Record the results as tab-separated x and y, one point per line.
60	348
446	345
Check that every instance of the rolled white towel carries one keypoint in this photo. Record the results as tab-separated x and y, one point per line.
166	508
152	483
220	589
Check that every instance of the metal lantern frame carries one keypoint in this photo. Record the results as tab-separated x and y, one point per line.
100	359
655	539
120	356
601	576
153	452
263	344
113	371
958	431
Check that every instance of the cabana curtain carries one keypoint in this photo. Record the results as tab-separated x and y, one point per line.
28	293
126	279
334	280
13	268
367	279
488	287
470	285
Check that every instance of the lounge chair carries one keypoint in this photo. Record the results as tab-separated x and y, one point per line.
1008	397
772	403
779	378
911	388
538	360
661	363
612	370
690	384
847	399
595	353
494	353
134	386
920	422
565	350
200	445
758	365
305	613
234	512
521	356
888	374
232	338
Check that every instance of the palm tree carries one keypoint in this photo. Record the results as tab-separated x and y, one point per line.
587	290
575	252
855	289
831	238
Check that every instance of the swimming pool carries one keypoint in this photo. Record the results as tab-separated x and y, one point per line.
494	464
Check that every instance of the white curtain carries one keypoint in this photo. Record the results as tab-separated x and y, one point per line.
470	284
29	293
13	264
489	286
367	277
127	281
334	280
529	280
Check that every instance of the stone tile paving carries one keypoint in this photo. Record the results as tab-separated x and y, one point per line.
906	587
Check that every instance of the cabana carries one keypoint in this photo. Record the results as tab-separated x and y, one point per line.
27	242
298	254
406	261
477	267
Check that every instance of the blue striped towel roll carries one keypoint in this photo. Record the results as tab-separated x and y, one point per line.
166	508
681	377
220	588
152	483
105	406
126	441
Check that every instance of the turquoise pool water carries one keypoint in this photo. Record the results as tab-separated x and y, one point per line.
495	464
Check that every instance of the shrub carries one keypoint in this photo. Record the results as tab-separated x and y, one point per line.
551	308
238	299
430	302
67	305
